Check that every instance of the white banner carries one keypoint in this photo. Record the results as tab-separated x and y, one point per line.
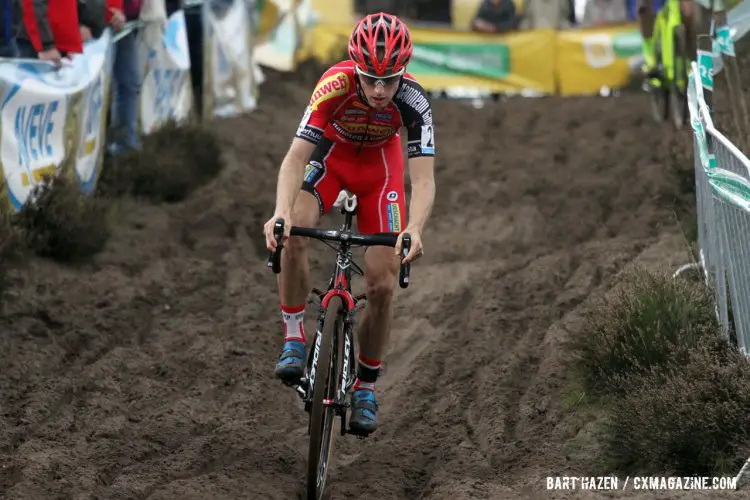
166	92
39	119
231	74
92	121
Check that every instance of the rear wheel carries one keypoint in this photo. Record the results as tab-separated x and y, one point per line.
678	94
322	416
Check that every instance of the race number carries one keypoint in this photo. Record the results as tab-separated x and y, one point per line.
428	139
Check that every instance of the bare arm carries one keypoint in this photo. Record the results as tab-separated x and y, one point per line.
291	174
422	175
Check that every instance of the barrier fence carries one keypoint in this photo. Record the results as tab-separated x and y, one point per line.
53	121
722	179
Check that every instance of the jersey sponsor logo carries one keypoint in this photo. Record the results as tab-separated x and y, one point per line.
355	111
312	134
332	86
417	101
311	170
353	119
383	116
360	105
371	130
356	131
394	217
391	196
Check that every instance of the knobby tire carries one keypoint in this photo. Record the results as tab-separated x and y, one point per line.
323	417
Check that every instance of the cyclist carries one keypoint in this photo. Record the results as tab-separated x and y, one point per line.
349	139
647	10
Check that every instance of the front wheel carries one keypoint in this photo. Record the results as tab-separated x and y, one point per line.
326	382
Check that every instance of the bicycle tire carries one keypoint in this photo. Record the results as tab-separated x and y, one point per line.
323	417
678	95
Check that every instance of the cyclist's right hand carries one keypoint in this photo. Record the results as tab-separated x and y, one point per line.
268	230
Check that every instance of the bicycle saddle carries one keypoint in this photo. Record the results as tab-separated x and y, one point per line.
347	200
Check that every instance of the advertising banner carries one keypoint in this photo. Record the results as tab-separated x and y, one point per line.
591	58
230	87
166	92
47	122
459	63
451	61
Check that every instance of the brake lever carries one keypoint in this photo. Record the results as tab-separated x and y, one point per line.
403	275
274	259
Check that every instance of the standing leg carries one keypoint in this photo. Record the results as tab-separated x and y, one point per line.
126	72
382	209
320	187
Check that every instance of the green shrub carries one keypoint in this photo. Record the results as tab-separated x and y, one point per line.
637	328
685	420
172	162
61	223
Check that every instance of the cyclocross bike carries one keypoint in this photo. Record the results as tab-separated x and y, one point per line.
333	347
668	87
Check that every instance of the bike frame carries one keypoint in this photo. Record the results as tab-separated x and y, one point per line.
339	284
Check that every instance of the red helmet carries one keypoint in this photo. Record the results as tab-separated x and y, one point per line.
380	45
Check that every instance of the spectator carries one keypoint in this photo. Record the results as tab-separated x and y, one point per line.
34	34
8	47
604	12
95	15
126	73
496	16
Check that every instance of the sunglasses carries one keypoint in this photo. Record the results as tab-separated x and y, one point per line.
372	80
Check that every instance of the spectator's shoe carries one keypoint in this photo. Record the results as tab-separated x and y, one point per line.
291	365
363	420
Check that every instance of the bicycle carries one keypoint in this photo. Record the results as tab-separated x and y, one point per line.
333	346
667	86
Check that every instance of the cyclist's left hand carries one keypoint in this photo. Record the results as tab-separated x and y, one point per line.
416	249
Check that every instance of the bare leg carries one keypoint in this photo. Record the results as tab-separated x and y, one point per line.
381	267
374	331
294	285
294	279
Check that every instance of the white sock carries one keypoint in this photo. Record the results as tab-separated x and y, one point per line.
293	327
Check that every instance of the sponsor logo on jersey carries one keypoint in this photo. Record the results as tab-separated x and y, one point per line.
384	116
417	101
311	134
391	196
355	111
394	218
359	104
332	86
373	131
311	170
354	119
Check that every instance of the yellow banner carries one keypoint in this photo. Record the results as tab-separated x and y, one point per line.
452	61
589	59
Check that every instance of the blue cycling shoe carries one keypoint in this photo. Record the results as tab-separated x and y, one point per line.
363	420
291	365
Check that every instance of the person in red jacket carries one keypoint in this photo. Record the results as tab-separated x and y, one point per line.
34	37
51	28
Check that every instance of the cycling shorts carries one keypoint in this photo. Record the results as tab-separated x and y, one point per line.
375	175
